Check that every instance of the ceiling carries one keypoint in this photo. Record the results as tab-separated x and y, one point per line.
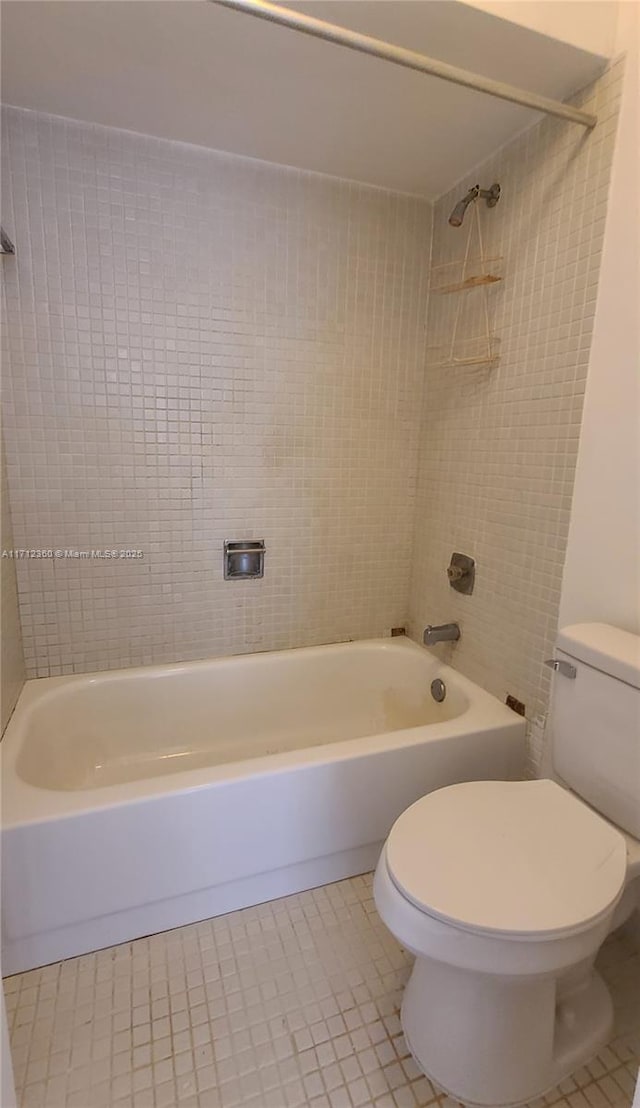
193	71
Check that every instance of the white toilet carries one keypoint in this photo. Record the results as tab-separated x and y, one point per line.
505	891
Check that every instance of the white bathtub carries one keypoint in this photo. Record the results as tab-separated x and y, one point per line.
143	799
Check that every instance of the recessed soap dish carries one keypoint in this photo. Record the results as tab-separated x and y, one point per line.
243	559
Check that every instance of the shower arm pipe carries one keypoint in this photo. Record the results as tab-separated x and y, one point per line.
377	48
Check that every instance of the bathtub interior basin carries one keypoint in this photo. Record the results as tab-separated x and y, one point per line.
108	729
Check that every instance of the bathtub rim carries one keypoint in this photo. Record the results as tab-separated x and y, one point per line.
24	803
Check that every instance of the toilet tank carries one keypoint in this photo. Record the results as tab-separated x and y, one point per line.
595	720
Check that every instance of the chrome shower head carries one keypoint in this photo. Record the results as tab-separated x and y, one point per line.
457	215
491	195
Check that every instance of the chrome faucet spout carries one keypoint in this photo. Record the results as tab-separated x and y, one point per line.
444	632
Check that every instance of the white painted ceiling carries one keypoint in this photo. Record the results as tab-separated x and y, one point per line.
193	71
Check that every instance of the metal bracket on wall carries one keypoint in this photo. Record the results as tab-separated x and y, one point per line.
6	245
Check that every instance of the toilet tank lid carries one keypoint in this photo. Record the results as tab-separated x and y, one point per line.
609	649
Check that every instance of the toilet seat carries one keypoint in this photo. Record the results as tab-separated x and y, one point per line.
507	859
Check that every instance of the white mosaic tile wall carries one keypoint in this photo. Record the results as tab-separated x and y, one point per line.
11	657
205	347
498	445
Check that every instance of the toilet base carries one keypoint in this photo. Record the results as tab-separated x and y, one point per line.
494	1041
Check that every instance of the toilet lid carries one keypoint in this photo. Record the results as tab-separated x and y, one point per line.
512	857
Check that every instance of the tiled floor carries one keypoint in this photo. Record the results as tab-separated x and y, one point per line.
294	1003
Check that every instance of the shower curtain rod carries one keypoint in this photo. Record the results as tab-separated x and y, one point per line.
342	36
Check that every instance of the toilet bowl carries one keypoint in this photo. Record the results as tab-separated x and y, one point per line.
504	891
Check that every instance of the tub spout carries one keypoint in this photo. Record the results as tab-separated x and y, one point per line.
444	632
